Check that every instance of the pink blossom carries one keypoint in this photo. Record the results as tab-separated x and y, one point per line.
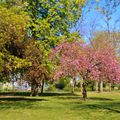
80	59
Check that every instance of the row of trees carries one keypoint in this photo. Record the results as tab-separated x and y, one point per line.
33	37
28	31
88	62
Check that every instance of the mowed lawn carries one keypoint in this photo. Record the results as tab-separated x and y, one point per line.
61	106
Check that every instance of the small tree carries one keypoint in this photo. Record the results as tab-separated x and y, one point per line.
38	72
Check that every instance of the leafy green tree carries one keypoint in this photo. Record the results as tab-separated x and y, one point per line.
51	18
39	71
51	23
1	61
13	24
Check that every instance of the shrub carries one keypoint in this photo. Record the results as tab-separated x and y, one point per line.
62	83
51	88
60	86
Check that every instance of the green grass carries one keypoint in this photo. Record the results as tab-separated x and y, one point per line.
61	106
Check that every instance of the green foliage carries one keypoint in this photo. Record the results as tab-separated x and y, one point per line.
51	87
15	63
51	19
1	61
48	21
40	67
62	83
60	86
13	25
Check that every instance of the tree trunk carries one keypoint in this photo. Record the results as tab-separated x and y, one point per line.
73	86
92	86
13	87
96	86
109	84
84	91
81	82
42	86
100	86
34	89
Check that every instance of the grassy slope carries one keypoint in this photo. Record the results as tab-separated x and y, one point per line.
103	106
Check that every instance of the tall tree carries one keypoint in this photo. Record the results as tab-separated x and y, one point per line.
51	18
51	22
13	24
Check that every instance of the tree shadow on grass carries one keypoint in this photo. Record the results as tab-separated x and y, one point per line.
111	107
100	99
20	99
79	97
101	106
44	94
92	103
73	97
14	93
18	102
58	94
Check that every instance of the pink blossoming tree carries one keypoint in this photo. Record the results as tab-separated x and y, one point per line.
78	59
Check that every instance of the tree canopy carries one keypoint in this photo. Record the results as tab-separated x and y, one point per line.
90	63
34	31
13	25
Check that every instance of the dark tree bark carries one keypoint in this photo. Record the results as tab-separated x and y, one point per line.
99	87
92	86
34	88
96	86
42	86
84	90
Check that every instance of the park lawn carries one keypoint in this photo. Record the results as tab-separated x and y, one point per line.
61	106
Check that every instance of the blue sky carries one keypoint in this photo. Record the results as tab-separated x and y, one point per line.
94	21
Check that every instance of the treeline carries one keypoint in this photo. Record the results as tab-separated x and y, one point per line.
32	33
